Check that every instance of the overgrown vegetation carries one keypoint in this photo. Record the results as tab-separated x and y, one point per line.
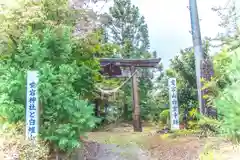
49	37
222	90
42	36
66	64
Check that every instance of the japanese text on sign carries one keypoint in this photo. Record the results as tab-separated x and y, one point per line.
32	105
173	101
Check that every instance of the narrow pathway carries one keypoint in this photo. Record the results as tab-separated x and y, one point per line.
123	144
114	152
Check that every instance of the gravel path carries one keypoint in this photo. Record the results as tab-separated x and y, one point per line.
114	152
116	144
181	149
186	148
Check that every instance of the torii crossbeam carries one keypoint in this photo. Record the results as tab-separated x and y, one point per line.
111	67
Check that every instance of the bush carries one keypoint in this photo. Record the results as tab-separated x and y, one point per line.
64	114
113	114
192	119
228	101
165	117
208	126
193	125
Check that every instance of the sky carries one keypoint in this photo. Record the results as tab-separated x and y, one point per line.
169	24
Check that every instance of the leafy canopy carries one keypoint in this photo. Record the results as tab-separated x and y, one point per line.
40	37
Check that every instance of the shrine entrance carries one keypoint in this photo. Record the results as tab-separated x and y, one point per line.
113	68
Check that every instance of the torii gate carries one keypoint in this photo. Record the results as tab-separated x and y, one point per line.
111	67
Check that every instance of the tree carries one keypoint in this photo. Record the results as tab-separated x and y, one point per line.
128	29
230	23
229	43
43	40
227	99
182	67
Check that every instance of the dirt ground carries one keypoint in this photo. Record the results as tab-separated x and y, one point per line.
120	143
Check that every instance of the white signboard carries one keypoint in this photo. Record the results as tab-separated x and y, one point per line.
173	101
32	107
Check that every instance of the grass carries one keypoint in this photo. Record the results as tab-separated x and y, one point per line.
126	137
123	136
120	139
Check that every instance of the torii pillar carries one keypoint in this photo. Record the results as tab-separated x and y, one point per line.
111	67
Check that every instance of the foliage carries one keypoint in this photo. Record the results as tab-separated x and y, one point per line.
222	91
229	16
193	114
64	116
193	125
68	70
152	109
228	101
183	68
184	132
208	126
128	29
229	41
21	14
220	79
160	93
113	114
165	116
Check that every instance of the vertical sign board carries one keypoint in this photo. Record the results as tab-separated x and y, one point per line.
32	106
173	101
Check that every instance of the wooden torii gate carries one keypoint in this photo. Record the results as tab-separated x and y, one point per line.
112	68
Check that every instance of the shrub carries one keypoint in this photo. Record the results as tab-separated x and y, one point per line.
193	125
165	116
64	115
228	101
208	126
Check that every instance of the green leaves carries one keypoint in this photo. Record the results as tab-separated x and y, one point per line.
64	116
11	111
228	101
127	28
39	36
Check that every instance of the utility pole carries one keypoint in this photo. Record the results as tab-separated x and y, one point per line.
198	50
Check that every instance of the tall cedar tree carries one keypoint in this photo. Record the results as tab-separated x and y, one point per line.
127	28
